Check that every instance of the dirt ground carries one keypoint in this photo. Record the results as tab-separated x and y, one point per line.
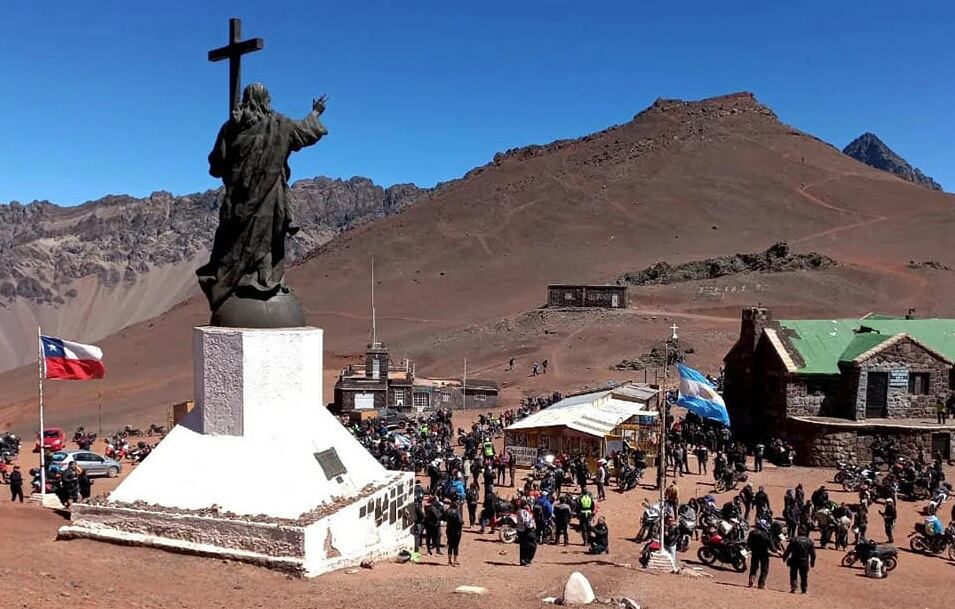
37	571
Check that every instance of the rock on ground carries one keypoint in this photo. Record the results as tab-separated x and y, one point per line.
578	590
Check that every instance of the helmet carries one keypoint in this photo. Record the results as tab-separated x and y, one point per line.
763	524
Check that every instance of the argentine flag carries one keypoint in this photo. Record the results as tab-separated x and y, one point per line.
699	396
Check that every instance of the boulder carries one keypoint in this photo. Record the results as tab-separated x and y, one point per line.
578	590
475	590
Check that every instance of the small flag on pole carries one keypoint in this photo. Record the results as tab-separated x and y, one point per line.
698	395
65	360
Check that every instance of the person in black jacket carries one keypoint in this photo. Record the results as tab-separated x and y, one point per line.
800	555
84	484
471	498
599	536
432	525
760	545
562	516
889	515
455	524
16	484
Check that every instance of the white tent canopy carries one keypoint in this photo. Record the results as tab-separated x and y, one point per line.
595	414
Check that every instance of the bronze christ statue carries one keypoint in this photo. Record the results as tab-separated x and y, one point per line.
244	279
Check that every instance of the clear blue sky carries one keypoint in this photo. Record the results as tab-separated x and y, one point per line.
116	96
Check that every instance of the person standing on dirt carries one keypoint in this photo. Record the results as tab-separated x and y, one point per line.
544	366
702	457
760	545
761	502
501	461
585	515
526	534
800	555
84	484
862	521
511	466
16	484
471	498
452	531
562	514
747	496
432	525
758	452
70	488
889	515
510	364
488	478
601	479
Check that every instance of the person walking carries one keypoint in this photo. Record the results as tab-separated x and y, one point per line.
889	514
941	410
758	452
747	496
16	484
452	531
526	534
791	510
501	462
800	555
760	545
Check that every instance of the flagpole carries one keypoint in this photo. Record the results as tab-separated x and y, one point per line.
40	375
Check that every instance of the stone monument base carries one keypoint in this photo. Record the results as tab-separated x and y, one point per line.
259	470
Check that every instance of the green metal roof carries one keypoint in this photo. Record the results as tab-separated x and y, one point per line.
862	343
823	343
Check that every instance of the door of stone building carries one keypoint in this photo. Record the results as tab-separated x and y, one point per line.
877	395
942	445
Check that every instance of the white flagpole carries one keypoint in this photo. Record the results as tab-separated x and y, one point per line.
40	374
464	388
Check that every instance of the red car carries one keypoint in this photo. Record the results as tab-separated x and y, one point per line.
54	439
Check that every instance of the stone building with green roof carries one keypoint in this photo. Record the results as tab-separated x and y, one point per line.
830	386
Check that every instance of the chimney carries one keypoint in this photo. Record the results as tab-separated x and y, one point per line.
754	319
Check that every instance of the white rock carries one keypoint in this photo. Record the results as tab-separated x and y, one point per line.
628	603
476	590
578	590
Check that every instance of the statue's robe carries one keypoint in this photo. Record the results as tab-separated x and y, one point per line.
248	253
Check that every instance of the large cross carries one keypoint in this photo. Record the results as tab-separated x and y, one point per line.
234	52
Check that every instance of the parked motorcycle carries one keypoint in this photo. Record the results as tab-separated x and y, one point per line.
649	521
922	542
715	549
864	550
629	477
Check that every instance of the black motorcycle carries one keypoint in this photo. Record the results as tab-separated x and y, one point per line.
921	543
864	550
629	477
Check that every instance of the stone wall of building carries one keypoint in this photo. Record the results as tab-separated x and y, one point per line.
816	396
909	356
820	445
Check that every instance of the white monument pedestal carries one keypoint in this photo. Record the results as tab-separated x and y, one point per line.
259	471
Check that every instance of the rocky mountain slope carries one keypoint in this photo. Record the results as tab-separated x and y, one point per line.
463	271
872	151
88	271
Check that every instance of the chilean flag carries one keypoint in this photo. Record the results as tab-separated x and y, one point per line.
71	361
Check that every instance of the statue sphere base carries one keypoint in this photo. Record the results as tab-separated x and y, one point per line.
281	311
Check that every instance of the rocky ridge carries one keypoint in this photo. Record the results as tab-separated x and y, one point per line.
118	239
869	149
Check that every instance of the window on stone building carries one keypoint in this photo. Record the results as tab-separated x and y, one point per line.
399	398
919	383
951	379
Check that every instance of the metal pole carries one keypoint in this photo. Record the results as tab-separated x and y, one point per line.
663	440
40	375
99	406
464	388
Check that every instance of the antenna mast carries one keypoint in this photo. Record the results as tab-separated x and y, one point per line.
374	321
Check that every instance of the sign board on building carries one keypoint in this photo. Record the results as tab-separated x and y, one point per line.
364	401
899	377
523	455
